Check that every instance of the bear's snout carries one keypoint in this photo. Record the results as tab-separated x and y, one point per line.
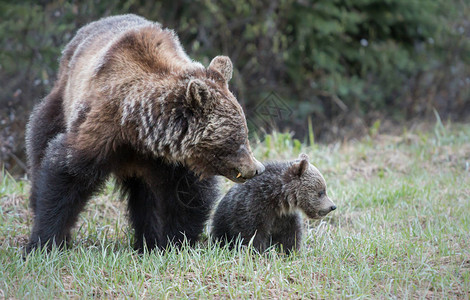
327	207
259	168
324	212
249	171
246	166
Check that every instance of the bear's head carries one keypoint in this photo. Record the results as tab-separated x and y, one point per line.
308	189
221	145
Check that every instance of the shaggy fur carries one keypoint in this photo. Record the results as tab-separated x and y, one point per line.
129	101
269	208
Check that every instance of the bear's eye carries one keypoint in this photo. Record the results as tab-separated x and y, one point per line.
321	193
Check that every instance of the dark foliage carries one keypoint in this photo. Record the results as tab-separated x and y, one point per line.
334	62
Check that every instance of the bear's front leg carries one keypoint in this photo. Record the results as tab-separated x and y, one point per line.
62	187
186	205
287	232
143	213
168	205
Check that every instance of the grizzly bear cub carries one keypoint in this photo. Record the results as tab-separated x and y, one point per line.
268	209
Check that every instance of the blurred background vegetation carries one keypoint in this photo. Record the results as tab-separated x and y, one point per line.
338	65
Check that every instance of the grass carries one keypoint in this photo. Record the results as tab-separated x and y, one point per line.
401	230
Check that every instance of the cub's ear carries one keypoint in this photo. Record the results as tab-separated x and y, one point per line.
299	168
223	65
197	94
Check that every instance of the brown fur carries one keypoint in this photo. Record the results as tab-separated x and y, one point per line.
268	210
137	77
128	99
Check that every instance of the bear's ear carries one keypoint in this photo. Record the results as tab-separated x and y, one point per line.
299	168
223	65
197	93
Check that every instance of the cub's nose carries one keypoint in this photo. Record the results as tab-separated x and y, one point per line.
333	207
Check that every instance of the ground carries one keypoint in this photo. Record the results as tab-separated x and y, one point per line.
402	229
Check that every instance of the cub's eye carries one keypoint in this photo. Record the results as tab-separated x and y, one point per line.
321	193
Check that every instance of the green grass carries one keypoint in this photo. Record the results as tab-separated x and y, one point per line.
401	230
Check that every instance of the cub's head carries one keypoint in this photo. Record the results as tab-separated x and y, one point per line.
220	146
309	189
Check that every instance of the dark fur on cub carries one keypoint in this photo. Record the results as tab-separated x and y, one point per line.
269	208
128	101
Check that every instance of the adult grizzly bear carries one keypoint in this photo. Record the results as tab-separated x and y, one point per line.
129	101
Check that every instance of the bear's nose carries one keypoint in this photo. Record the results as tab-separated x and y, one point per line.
333	207
259	168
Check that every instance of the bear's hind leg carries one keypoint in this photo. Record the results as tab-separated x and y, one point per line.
62	188
45	123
